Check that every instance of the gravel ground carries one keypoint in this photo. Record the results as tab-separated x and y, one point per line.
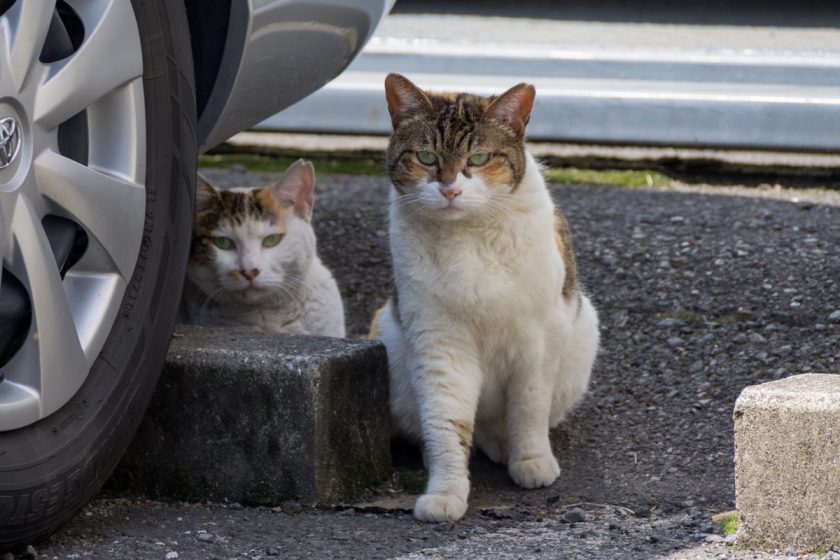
701	292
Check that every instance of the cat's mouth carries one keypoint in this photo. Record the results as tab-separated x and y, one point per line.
250	291
451	210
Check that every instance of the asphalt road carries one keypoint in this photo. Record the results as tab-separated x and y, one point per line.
701	291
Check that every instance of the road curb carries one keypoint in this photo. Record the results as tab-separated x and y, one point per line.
259	418
743	166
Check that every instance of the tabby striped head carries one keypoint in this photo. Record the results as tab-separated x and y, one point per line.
253	244
455	154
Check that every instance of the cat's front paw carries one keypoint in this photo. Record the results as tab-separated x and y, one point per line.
535	473
436	508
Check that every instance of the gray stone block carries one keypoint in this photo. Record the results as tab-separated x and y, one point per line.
259	418
787	463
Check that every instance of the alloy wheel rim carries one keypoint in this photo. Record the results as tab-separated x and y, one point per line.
71	215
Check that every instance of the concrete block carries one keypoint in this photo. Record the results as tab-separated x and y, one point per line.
260	418
787	463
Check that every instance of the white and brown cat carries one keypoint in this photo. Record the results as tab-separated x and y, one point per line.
254	260
489	336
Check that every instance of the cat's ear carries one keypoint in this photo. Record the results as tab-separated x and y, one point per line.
204	191
514	106
404	98
297	187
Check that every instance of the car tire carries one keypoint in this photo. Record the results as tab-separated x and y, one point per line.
49	469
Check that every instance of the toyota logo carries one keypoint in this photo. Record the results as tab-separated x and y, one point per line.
9	141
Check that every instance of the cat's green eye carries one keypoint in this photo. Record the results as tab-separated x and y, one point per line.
223	243
272	240
427	158
478	159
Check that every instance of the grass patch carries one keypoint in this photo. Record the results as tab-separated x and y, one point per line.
630	178
727	523
413	482
276	164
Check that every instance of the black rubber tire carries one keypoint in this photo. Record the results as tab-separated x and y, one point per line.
52	468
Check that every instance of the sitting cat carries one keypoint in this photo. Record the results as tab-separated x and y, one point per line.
489	336
254	262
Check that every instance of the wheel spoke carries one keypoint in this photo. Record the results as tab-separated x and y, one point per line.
18	405
106	60
63	366
110	208
30	22
7	207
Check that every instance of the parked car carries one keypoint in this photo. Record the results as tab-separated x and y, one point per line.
104	105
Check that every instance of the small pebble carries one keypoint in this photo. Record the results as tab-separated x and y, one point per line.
714	539
205	537
757	338
347	512
272	551
831	555
784	350
575	515
171	555
445	527
835	316
291	507
729	539
29	553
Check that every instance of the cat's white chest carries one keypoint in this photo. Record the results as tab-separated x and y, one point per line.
508	273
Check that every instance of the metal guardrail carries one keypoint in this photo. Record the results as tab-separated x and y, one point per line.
665	85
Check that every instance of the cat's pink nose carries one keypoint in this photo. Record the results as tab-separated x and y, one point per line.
450	192
250	274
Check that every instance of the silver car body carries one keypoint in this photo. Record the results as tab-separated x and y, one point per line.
277	52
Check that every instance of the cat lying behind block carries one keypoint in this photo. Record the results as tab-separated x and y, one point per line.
254	261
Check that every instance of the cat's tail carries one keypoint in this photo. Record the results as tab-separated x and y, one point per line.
374	324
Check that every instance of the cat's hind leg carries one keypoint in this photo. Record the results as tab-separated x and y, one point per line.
491	439
405	419
576	360
490	428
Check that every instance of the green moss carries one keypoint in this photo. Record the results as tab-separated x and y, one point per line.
413	482
358	478
728	524
276	164
630	178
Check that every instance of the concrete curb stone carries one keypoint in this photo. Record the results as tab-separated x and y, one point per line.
259	418
787	463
